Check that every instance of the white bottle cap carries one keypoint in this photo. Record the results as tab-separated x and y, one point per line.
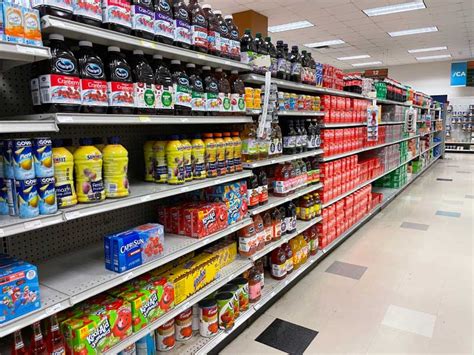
113	49
175	61
206	67
218	70
234	72
137	51
217	12
227	17
190	65
56	36
206	6
157	56
85	44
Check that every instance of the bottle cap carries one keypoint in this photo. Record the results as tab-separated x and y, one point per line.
85	141
228	17
234	71
56	36
113	49
114	140
175	61
157	56
218	70
138	51
217	12
190	65
85	44
206	67
206	6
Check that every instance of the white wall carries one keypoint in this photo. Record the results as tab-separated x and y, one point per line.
431	78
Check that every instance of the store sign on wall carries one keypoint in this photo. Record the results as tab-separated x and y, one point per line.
459	74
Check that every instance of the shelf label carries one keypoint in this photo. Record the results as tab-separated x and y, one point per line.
144	118
184	189
24	49
33	224
72	215
187	305
2	232
128	276
54	309
64	119
257	306
272	294
184	119
202	56
145	198
148	44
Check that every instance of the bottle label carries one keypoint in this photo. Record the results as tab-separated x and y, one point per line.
94	92
273	65
252	197
295	69
261	237
35	92
164	97
182	95
88	8
277	230
275	147
212	102
161	170
237	102
283	226
199	36
281	65
292	225
289	142
268	234
299	141
182	31
144	95
288	224
212	38
117	12
224	102
120	94
255	290
263	193
288	67
249	146
225	45
235	48
304	140
310	142
237	161
278	270
60	89
142	19
246	244
163	25
59	4
289	265
198	101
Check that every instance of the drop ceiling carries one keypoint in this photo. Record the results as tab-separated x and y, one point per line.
344	19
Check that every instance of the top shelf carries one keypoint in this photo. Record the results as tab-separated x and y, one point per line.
13	54
97	35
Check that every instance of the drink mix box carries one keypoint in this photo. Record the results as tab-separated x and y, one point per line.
19	288
232	195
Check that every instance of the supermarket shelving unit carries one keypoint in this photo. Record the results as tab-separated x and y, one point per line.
13	55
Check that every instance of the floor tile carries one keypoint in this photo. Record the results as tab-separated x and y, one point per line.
348	270
454	202
288	337
443	179
448	214
417	226
453	166
464	172
469	196
410	320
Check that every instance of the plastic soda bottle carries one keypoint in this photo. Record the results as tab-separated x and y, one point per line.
175	160
197	157
55	340
88	172
37	343
115	158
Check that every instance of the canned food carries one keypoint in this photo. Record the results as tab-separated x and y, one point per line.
27	198
183	324
208	322
47	195
225	309
43	157
234	289
165	336
7	150
22	154
243	292
129	350
11	197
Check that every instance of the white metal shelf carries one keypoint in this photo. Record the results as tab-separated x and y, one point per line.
19	126
431	147
141	192
301	113
13	54
274	201
460	143
79	31
346	154
282	159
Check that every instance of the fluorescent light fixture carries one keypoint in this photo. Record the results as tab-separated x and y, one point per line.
414	31
432	49
290	26
392	9
441	56
363	56
366	64
332	42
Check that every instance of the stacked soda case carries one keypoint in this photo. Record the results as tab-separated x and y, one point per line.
186	25
27	184
339	109
395	179
294	102
128	84
20	23
177	159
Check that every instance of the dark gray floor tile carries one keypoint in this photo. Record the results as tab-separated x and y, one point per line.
453	166
448	214
464	172
469	196
443	179
288	337
348	270
417	226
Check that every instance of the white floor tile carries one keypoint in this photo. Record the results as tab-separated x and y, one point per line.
409	320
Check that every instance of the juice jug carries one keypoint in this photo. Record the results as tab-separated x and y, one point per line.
290	217
224	33
88	12
263	187
281	61
304	249
115	158
164	22
295	60
143	17
119	83
221	160
296	251
268	227
187	162
211	155
249	143
237	96
247	43
273	56
278	264
229	152
276	224
237	151
198	97
197	157
234	42
252	192
260	231
143	84
281	182
93	84
117	15
212	91
182	25
160	173
59	8
213	31
88	172
63	161
175	161
289	257
164	92
182	89
199	25
224	92
149	157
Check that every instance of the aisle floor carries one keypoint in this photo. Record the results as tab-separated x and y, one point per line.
403	283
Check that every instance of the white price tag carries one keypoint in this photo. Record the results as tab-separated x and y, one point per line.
65	119
229	279
184	119
185	189
144	118
2	233
72	215
128	276
287	282
272	294
54	309
257	306
148	44
226	62
33	224
201	56
145	198
23	49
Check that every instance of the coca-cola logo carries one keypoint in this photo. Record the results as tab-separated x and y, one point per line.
121	73
183	81
64	65
200	19
183	13
164	5
93	69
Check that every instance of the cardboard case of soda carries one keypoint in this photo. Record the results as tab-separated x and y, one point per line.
19	288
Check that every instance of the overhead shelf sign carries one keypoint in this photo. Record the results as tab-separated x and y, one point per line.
459	74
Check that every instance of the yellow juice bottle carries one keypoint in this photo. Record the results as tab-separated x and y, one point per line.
187	152
63	162
88	169
237	151
174	160
197	157
115	158
149	156
304	249
160	173
295	249
229	152
220	148
210	157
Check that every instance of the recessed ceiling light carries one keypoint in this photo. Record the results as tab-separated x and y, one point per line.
392	9
354	57
332	42
290	26
413	31
366	64
432	49
441	56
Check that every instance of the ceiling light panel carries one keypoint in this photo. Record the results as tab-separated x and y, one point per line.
332	42
290	26
392	9
413	31
431	57
363	56
432	49
366	64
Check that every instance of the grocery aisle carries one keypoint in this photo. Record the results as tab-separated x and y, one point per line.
415	288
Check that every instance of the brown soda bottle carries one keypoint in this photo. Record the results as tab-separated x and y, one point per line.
55	340
18	347
37	344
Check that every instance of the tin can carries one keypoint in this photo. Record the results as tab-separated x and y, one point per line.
11	197
27	198
146	345
43	157
8	172
129	350
234	289
47	195
4	211
208	321
225	309
183	325
243	292
22	154
165	336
